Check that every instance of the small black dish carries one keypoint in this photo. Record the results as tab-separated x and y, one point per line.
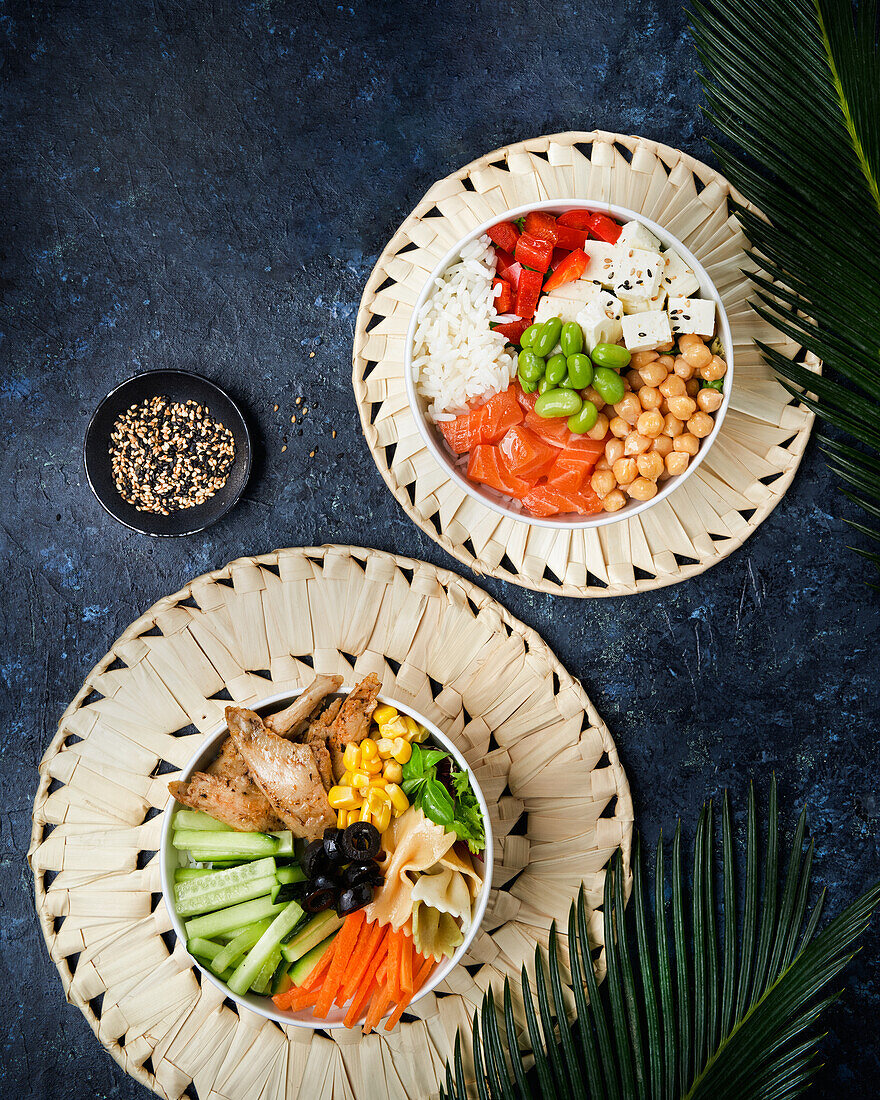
177	385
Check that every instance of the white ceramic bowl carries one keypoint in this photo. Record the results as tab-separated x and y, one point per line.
494	500
171	859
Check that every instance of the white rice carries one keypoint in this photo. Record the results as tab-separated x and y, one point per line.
458	360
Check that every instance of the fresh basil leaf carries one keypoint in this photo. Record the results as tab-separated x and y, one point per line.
437	803
432	757
414	768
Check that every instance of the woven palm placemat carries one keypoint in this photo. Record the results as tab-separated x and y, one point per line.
751	463
557	793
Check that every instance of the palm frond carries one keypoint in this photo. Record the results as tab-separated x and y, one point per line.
793	86
711	993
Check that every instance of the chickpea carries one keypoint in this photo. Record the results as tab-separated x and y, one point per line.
614	501
619	427
689	340
629	408
653	373
642	489
709	400
664	407
625	470
603	464
642	359
635	443
602	482
698	355
667	361
700	424
650	423
600	429
593	395
682	407
673	386
664	348
692	387
672	426
716	368
627	388
613	450
677	462
683	368
686	443
649	398
650	465
662	445
635	380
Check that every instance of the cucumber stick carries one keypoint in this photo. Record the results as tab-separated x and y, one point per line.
263	980
240	943
287	875
188	874
226	845
319	928
286	843
205	949
304	966
224	888
250	966
195	819
233	919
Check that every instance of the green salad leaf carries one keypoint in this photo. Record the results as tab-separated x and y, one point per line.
460	815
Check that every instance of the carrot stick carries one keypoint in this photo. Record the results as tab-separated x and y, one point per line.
282	1000
382	972
303	999
393	978
361	997
418	982
406	966
357	951
367	948
317	975
345	939
381	1000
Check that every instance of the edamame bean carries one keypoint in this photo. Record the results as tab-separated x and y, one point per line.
525	341
527	385
609	385
558	403
580	370
572	339
584	420
566	383
555	369
548	337
544	385
530	365
610	355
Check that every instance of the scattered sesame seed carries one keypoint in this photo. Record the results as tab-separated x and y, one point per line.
293	419
275	408
311	355
284	448
311	454
334	434
299	401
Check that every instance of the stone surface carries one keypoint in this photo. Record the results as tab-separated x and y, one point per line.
208	186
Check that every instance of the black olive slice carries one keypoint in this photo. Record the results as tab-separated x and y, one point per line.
361	841
355	898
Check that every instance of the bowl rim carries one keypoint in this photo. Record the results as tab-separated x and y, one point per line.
259	1004
203	522
489	497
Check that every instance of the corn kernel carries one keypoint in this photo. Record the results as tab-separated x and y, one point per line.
396	727
412	728
420	735
398	799
360	780
383	714
373	767
343	798
377	782
393	772
351	758
342	819
369	750
366	813
402	750
385	746
345	781
382	818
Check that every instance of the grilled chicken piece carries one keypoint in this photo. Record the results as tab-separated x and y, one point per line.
228	764
287	774
235	801
286	721
353	720
316	738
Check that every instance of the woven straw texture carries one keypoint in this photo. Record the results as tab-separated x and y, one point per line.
751	463
557	793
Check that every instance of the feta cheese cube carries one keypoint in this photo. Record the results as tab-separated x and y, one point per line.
638	274
646	331
603	262
692	315
636	235
600	326
678	278
567	301
646	305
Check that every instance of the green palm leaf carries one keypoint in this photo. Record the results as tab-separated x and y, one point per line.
794	88
713	994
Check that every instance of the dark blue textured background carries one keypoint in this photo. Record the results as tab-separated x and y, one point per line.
208	186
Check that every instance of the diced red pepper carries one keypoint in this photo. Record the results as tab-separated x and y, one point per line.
498	414
505	235
527	455
541	225
527	293
558	256
569	238
571	268
604	228
503	300
485	467
533	252
575	219
506	267
512	330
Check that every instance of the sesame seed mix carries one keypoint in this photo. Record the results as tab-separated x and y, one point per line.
167	456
